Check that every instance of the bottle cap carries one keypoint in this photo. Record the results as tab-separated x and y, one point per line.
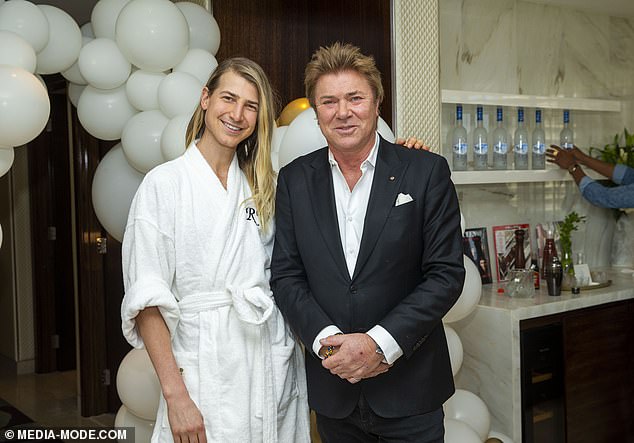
500	290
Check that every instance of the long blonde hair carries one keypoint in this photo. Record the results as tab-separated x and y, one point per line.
254	152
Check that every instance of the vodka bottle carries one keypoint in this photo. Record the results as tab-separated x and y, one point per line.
459	143
539	142
499	139
480	144
520	142
565	136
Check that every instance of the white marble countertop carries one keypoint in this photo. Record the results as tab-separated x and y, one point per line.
541	304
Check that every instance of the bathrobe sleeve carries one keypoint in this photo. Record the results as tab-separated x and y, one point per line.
148	257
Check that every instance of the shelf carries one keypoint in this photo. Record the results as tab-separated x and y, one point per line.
529	101
512	176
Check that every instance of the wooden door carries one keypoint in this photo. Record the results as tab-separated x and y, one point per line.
51	238
100	284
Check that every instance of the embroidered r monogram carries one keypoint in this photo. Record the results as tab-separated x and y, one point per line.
252	216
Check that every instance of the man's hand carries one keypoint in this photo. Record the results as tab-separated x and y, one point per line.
356	358
564	158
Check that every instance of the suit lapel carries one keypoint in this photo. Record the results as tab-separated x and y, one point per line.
387	178
322	195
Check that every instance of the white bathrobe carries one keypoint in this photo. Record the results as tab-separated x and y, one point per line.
197	252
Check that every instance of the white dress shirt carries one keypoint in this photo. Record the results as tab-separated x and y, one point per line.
351	209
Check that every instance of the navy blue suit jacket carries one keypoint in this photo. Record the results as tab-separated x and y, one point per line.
408	274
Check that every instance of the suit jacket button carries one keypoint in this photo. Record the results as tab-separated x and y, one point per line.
353	289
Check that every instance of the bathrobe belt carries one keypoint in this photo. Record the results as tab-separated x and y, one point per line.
252	306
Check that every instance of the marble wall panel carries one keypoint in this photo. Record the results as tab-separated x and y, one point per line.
522	47
479	54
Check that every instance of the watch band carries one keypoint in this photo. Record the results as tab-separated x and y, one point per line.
379	350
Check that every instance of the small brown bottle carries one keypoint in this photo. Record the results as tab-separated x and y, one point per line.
520	260
535	268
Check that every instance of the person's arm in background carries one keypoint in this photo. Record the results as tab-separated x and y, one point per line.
597	194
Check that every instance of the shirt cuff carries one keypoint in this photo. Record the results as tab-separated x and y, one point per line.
585	181
391	350
618	173
326	332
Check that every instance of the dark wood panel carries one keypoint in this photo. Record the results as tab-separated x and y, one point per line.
598	375
49	184
363	23
118	347
281	36
92	339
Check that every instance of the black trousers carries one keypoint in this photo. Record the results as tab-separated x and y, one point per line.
363	425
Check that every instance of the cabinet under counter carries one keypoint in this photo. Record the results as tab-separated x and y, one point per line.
596	354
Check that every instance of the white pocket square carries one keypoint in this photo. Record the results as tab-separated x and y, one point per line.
401	199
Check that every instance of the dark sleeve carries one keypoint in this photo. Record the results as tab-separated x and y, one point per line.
289	282
442	266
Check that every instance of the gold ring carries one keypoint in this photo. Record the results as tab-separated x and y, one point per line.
555	153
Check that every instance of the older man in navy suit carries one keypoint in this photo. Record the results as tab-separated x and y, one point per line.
367	261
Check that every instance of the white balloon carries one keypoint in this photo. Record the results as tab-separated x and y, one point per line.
456	352
64	42
24	106
173	137
459	432
6	159
113	188
74	92
141	140
73	74
137	384
462	223
142	89
467	407
87	31
152	34
504	438
142	428
179	94
204	32
103	65
385	131
0	236
471	292
27	20
15	51
198	63
104	113
104	17
41	79
303	136
278	135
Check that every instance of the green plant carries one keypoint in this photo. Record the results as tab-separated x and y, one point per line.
616	152
570	224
